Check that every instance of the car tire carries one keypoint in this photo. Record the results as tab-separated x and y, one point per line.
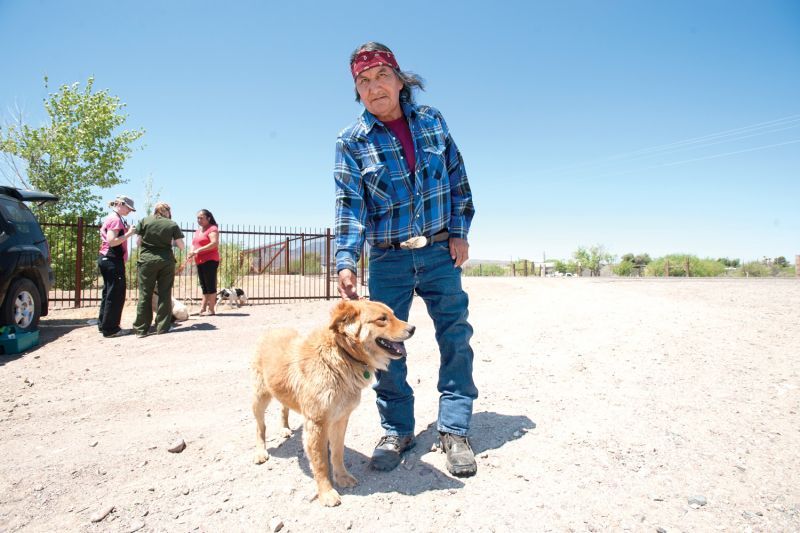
23	305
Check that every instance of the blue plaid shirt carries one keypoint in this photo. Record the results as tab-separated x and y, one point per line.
376	192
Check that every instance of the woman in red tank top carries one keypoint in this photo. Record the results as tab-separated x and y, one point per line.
205	251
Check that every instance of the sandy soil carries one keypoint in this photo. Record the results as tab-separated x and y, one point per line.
605	405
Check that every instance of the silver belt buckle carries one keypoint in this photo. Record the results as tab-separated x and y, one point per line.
414	242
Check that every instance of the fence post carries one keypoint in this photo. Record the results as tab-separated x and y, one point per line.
797	266
666	268
525	266
79	263
302	254
328	265
513	269
287	255
688	274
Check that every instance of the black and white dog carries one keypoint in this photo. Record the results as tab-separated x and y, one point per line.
233	295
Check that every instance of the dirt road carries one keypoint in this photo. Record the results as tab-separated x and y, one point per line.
605	405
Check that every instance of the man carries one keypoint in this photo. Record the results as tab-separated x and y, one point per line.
401	184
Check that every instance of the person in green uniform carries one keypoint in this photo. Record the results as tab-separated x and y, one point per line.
156	265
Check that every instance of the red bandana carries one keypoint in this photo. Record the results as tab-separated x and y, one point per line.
376	58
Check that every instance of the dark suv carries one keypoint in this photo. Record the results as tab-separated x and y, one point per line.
25	273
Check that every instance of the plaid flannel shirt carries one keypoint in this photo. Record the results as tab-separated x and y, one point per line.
377	197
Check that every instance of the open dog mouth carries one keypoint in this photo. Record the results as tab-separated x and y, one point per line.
395	349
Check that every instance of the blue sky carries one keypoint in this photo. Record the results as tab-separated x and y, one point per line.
658	127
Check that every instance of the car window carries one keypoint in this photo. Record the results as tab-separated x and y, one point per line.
18	215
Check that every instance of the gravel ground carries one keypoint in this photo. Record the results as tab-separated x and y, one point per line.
606	405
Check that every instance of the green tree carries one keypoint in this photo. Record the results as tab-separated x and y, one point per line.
631	264
623	268
592	258
564	267
79	151
729	262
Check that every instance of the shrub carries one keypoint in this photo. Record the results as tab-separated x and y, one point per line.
623	268
485	270
705	268
755	269
312	264
232	264
677	266
523	267
565	267
759	269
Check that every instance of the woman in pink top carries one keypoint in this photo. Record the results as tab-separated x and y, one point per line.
114	234
205	250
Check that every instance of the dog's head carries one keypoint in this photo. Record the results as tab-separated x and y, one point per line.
370	332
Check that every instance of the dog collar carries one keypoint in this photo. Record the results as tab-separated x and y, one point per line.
366	372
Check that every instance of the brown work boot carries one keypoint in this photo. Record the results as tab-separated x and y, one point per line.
460	458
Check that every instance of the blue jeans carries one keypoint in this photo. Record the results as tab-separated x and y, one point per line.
394	277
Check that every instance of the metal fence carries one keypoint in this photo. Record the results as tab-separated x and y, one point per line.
269	264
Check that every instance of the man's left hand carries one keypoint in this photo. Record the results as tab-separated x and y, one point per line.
459	250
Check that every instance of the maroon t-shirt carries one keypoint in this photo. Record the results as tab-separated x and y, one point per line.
401	130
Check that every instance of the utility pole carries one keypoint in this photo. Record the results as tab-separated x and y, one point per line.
543	268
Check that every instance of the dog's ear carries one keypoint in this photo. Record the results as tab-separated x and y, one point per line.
344	318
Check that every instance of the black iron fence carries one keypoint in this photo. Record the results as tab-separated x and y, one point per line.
269	264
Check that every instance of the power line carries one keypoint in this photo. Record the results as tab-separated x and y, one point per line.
743	132
708	144
732	153
674	163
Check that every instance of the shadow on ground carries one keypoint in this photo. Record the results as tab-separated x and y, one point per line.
490	431
196	326
49	330
52	329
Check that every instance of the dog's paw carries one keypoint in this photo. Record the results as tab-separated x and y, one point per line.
286	433
260	457
344	479
330	498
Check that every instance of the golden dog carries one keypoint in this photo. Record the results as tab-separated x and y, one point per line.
321	377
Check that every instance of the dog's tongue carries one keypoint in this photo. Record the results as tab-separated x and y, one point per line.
398	346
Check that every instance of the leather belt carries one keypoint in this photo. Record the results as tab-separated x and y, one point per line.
415	242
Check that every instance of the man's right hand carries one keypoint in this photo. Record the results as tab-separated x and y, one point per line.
347	285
